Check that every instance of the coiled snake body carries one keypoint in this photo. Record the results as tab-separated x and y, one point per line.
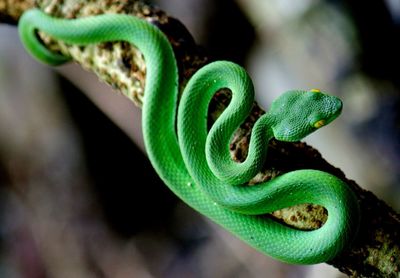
196	165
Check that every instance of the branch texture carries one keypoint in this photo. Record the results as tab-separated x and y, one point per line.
376	250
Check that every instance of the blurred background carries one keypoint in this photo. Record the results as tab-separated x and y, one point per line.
78	195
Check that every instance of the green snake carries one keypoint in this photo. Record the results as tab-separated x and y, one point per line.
196	164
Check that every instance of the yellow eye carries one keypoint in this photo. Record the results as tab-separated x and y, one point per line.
319	123
315	91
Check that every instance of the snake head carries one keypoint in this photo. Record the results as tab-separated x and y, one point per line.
297	113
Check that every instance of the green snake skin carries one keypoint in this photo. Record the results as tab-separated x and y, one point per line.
196	164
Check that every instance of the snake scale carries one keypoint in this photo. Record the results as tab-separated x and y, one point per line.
196	164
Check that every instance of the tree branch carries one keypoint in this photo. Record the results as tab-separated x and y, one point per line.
376	250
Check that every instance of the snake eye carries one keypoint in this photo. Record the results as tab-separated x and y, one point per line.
315	90
319	123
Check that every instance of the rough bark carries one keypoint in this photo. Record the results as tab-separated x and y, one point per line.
376	250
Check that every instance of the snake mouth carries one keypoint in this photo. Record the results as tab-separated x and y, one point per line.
335	109
338	109
339	106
